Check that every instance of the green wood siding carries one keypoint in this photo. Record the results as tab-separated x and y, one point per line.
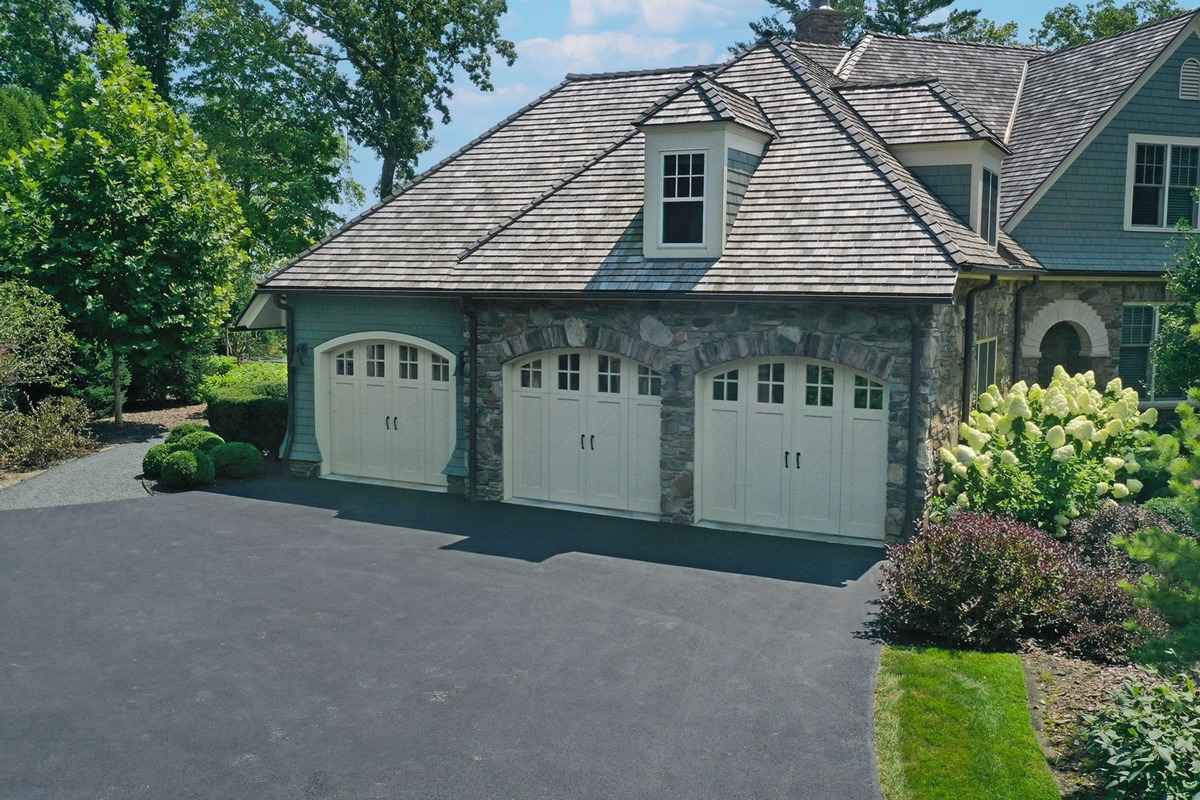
952	185
320	318
1079	224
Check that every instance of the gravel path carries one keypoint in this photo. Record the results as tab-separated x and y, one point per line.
108	475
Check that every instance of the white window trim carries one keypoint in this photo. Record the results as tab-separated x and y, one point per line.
979	363
663	200
1130	169
1157	305
1194	63
983	173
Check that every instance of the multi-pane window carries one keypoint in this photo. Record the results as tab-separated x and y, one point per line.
770	383
649	382
531	375
439	367
1139	324
868	393
989	209
818	386
1163	184
345	363
683	198
408	362
568	372
376	361
725	386
608	375
985	365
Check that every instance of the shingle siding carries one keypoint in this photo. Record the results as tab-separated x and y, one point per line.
320	318
739	168
1079	224
952	185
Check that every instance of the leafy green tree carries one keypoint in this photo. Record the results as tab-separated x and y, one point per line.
1176	349
35	344
1070	25
155	31
22	117
120	213
404	56
258	102
39	40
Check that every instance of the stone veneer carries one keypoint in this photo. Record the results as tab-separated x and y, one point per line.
680	339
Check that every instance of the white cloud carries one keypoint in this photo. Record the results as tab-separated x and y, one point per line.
657	16
611	50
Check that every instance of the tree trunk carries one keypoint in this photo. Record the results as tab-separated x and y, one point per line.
387	176
116	385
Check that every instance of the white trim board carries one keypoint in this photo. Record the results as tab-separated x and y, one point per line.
1133	141
1102	123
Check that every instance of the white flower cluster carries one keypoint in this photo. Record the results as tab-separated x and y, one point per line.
1077	418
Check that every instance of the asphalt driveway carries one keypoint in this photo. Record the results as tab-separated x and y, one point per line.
318	640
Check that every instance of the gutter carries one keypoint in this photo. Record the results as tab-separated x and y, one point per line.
285	450
473	434
917	355
1018	329
969	345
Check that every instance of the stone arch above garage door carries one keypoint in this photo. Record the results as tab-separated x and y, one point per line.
1093	335
786	341
574	333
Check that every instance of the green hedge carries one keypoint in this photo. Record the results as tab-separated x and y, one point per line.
245	416
237	460
266	378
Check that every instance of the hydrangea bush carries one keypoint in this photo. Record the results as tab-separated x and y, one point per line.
1049	455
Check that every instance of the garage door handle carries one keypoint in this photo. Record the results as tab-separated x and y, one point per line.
395	423
385	423
581	438
785	459
593	441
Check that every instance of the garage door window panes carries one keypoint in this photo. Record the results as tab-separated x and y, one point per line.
568	372
725	386
770	383
818	389
439	368
531	375
608	375
867	393
649	382
408	363
345	363
376	361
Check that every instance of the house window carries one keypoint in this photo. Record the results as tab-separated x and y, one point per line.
531	375
1163	176
725	386
608	375
408	362
1139	326
868	393
649	382
989	213
345	363
770	383
568	372
818	386
440	368
376	361
985	365
1189	80
683	198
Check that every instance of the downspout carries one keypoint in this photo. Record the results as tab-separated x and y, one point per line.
969	346
285	452
473	435
1018	328
916	356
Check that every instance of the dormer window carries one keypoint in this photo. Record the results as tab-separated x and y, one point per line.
683	198
989	209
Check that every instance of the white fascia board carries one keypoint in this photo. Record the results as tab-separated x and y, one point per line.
261	314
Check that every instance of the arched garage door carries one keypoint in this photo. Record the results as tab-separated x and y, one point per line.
582	428
385	409
791	444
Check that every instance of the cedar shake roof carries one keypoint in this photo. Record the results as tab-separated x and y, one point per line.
702	99
1065	95
916	112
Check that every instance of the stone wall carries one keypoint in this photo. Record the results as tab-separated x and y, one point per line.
680	339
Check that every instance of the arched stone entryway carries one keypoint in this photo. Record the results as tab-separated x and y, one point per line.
1062	345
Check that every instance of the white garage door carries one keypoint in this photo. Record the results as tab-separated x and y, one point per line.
390	413
582	429
794	445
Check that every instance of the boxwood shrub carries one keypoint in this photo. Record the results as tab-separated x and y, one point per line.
152	462
182	430
237	460
203	441
185	469
247	416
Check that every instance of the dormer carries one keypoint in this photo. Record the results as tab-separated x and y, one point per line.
942	143
703	144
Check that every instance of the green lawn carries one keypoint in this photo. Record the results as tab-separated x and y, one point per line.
954	725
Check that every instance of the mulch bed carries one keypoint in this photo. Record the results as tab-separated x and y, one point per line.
1061	691
143	424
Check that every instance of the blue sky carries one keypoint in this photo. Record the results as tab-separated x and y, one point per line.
554	37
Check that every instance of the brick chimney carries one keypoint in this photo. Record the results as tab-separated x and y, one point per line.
820	24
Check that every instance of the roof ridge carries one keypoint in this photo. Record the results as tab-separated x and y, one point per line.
417	179
1139	29
940	40
943	92
870	151
711	90
854	55
559	184
808	60
850	86
633	73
